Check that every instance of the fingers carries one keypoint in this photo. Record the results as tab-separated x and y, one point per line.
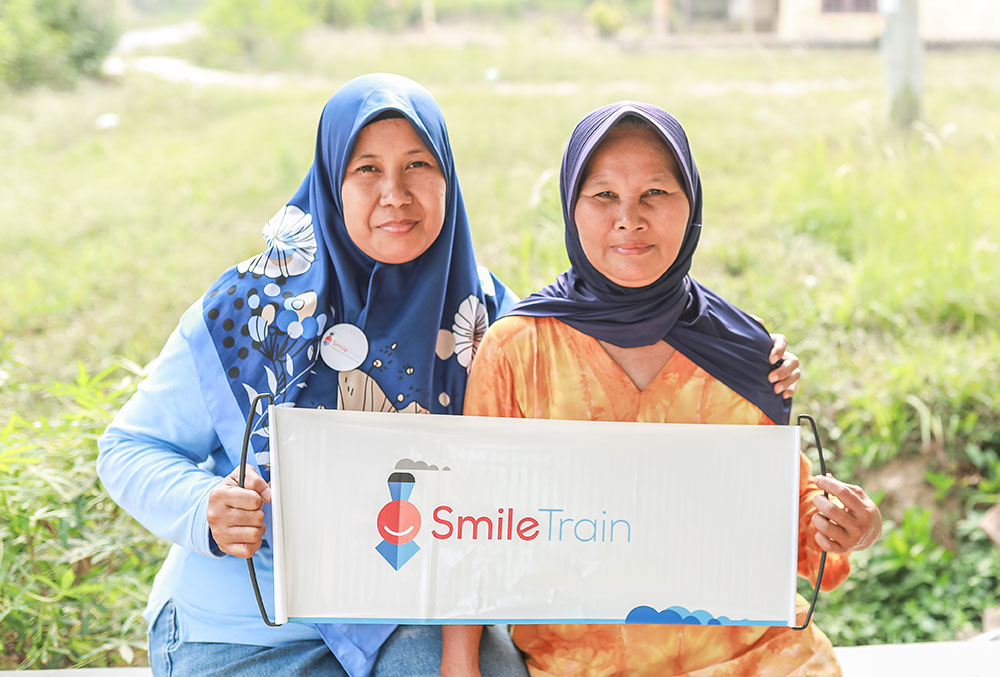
242	499
236	532
241	541
242	550
834	537
778	351
234	513
853	525
254	482
223	515
828	545
830	510
235	507
785	377
851	495
787	387
245	535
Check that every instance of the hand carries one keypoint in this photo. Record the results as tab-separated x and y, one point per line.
785	378
854	525
235	515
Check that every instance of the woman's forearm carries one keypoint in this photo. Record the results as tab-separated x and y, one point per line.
460	650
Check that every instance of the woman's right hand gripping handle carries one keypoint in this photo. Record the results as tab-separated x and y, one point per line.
235	514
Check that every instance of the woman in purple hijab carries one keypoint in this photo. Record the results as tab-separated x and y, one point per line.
627	335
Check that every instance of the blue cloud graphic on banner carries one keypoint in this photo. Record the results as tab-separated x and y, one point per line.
676	615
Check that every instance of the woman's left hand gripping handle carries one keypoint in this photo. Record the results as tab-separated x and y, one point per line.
854	524
236	515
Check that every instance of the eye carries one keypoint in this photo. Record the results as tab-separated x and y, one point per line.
662	192
366	169
419	164
606	194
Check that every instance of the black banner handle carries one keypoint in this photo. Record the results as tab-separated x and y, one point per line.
822	558
243	473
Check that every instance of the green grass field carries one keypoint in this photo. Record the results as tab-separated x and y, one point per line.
876	253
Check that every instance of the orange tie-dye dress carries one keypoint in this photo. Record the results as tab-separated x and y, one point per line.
542	368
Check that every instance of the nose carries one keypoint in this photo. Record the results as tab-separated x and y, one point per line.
628	217
393	191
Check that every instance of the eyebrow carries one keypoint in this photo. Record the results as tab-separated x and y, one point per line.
598	178
415	151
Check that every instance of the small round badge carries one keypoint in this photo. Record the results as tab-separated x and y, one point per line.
343	347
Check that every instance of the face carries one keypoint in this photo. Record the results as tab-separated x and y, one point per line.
632	211
393	193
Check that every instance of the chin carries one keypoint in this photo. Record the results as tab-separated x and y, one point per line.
397	255
394	259
633	281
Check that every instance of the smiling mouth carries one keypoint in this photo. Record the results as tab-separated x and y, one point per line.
397	534
399	227
631	249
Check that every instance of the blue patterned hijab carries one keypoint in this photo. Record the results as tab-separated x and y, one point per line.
315	322
718	337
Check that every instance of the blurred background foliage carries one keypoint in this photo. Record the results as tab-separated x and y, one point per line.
125	195
54	41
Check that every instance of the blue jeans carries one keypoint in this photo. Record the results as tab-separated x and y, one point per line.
411	651
170	657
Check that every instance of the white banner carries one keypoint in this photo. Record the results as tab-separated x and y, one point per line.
382	518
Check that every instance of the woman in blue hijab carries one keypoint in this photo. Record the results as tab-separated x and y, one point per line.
367	297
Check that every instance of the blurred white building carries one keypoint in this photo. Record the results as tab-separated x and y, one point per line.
861	21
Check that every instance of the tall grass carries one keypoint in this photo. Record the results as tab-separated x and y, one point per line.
914	221
74	568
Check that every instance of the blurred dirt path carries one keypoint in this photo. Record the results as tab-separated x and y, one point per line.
158	36
123	59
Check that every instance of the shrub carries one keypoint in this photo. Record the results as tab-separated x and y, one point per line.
608	19
394	15
343	13
255	30
75	570
908	588
53	41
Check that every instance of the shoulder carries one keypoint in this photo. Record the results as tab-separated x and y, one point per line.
510	340
549	332
521	340
512	328
522	331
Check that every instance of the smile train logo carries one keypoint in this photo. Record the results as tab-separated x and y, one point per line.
398	522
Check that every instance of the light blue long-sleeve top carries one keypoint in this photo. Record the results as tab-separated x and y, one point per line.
159	459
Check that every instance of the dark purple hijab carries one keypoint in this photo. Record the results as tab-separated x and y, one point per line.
717	336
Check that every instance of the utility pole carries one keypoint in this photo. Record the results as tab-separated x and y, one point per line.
428	17
661	17
902	56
